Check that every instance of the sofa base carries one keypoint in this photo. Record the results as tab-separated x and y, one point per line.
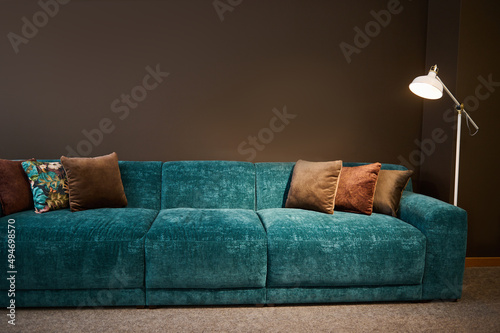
201	297
344	294
77	298
205	296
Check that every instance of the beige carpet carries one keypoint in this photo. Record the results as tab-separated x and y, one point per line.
477	311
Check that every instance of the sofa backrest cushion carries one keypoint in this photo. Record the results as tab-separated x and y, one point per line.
142	183
208	184
273	181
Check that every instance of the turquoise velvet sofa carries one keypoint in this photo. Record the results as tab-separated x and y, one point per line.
217	232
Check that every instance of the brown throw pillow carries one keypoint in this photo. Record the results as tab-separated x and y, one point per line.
15	189
94	182
314	186
357	188
390	186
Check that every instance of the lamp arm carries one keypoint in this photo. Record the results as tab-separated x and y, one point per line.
460	107
457	103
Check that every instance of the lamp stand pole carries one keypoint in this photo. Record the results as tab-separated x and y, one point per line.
460	108
457	154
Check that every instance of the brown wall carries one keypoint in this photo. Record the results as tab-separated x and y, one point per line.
478	62
225	79
437	157
462	38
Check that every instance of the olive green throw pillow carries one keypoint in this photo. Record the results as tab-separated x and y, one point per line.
314	186
390	186
94	182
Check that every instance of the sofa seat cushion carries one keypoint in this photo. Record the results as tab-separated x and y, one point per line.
206	248
312	249
101	248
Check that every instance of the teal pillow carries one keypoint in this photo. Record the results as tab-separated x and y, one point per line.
48	185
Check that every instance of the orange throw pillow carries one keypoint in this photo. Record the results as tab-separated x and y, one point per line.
357	188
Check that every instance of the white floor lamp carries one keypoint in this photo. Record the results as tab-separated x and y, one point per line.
430	86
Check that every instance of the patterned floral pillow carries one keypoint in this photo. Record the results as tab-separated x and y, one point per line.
48	185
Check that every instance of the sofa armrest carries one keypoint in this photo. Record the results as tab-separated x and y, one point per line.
445	227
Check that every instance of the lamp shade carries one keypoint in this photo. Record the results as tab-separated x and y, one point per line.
427	86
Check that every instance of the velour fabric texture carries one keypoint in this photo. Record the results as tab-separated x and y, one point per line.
445	227
142	183
15	190
208	184
205	296
94	182
344	294
207	249
48	185
92	249
390	186
311	249
273	181
314	186
80	298
357	188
